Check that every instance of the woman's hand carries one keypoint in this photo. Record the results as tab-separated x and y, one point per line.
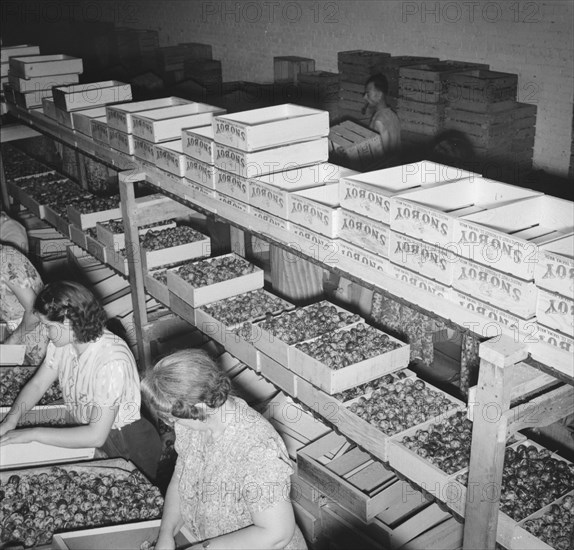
165	542
7	425
18	436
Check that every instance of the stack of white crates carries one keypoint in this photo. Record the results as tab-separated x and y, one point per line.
32	77
261	142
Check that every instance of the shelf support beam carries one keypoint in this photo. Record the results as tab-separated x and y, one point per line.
497	358
135	267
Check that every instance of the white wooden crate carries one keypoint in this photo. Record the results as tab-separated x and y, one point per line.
231	208
499	318
419	281
431	214
509	237
42	82
554	270
82	120
198	296
370	194
232	185
100	130
268	161
271	192
12	354
30	100
45	65
268	224
30	454
337	380
91	94
121	141
555	311
270	127
20	50
200	172
313	244
499	289
118	240
198	143
169	157
552	338
120	116
120	537
317	209
358	261
167	123
434	262
144	149
364	232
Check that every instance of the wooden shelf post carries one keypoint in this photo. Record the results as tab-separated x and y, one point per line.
497	358
135	268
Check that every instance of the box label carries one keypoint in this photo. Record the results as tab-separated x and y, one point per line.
266	196
168	158
423	219
199	172
232	131
310	212
231	184
199	147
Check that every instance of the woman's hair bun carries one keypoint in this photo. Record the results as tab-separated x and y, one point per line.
180	409
220	394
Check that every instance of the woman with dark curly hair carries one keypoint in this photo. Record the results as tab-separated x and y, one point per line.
231	484
99	380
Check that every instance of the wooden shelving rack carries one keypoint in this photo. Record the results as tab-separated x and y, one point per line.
499	356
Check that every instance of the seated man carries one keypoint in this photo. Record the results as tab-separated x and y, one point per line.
383	119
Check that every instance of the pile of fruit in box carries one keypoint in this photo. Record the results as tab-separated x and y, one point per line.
37	184
15	378
51	189
368	387
62	200
57	193
170	237
18	164
161	276
346	347
531	479
97	204
215	270
403	405
309	322
35	506
251	305
44	423
556	526
446	444
117	226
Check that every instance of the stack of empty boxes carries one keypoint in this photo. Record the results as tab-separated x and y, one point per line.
355	67
136	48
422	96
482	104
286	69
33	76
200	67
257	143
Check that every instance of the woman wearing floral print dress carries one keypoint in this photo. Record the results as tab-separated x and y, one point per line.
20	283
231	484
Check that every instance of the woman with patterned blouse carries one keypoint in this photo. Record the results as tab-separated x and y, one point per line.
20	283
98	377
231	484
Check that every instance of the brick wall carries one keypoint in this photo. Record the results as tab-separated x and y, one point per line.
532	39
